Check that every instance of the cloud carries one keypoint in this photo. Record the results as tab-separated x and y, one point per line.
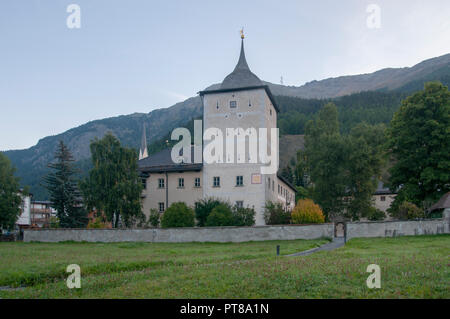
178	97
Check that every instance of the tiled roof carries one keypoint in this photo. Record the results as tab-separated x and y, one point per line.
162	162
382	190
444	202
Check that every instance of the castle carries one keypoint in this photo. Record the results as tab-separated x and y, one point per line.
242	101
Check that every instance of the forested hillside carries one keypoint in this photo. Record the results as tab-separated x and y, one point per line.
371	107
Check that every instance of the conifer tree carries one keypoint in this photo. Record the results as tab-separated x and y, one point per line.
63	189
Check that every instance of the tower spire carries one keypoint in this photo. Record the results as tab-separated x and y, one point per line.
241	75
143	153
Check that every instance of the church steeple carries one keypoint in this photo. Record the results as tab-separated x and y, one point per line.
143	153
241	75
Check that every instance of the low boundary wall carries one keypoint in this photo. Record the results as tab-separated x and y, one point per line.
398	228
243	234
177	235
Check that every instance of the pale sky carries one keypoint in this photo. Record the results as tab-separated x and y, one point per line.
137	56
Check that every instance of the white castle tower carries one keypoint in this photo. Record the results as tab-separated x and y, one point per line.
242	101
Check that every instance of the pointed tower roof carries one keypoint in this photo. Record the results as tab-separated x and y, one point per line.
241	79
143	153
241	75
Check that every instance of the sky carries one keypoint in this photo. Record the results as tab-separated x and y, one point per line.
141	55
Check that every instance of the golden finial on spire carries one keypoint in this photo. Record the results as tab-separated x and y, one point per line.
242	33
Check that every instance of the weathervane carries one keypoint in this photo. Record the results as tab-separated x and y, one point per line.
242	33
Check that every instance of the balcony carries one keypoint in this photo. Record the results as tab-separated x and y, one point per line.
41	210
40	220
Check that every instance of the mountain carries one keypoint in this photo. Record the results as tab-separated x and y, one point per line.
298	104
32	163
406	79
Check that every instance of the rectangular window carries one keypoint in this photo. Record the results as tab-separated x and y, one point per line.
144	183
197	182
239	204
239	181
181	183
160	182
216	181
233	104
383	198
161	207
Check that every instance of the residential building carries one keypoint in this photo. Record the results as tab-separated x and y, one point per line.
40	213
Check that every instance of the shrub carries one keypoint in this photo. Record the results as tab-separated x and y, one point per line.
203	209
178	215
243	216
97	222
221	215
274	214
54	222
307	212
375	214
302	193
153	218
408	210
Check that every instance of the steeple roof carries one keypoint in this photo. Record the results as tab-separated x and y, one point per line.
143	150
241	75
241	79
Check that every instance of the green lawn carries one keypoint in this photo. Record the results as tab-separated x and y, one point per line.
411	267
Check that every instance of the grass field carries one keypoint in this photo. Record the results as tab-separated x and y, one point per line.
411	267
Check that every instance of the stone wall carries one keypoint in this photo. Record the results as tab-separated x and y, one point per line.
175	235
398	228
243	234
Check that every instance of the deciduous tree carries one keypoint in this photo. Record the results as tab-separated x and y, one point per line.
364	160
419	143
113	185
10	199
325	156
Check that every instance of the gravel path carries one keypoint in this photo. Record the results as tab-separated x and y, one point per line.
336	243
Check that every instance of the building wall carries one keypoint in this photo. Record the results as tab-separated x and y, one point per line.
280	192
286	195
153	195
254	110
252	195
41	212
383	205
25	215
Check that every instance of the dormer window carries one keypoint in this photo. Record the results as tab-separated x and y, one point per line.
233	104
